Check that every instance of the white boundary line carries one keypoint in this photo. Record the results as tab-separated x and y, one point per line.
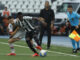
21	54
48	50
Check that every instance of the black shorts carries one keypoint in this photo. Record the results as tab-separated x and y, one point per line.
31	34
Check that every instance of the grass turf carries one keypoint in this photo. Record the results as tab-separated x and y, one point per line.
23	53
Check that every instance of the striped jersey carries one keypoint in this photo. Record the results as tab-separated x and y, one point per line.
25	24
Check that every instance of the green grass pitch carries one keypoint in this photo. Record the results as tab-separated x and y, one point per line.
24	53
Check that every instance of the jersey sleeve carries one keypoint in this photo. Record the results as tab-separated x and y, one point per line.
27	17
16	22
77	15
10	28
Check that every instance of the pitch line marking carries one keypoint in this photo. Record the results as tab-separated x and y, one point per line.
48	50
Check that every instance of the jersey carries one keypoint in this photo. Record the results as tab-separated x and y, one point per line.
19	34
10	28
25	24
73	18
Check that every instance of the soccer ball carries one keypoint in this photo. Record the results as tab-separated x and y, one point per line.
43	53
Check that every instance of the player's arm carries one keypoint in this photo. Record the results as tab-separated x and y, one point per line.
67	22
14	32
53	18
78	16
35	18
41	19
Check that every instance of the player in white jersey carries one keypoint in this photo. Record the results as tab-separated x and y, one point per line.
16	34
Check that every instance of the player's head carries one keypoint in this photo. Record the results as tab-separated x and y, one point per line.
70	8
10	18
47	5
20	15
5	8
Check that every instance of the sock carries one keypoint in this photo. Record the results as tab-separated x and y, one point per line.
77	44
31	46
35	44
73	44
12	47
36	40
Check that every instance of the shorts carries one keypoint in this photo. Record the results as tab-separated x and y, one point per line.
19	34
31	34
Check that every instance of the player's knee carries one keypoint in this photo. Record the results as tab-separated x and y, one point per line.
10	41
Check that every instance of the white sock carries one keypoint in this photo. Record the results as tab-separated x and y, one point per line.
12	47
35	44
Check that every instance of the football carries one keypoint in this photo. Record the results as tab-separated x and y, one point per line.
43	53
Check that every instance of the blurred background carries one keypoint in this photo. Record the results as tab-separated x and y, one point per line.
32	8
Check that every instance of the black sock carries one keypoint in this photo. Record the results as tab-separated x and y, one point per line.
31	46
36	40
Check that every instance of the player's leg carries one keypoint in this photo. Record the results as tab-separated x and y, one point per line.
49	37
78	31
74	47
36	43
11	44
31	47
36	38
41	35
29	42
13	39
78	49
73	42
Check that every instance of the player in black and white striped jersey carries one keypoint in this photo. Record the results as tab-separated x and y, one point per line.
24	23
20	34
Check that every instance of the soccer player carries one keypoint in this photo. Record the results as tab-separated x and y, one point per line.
74	21
30	32
26	27
15	34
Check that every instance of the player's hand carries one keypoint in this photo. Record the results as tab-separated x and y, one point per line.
77	27
44	23
52	26
41	19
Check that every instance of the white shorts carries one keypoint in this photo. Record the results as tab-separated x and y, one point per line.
19	34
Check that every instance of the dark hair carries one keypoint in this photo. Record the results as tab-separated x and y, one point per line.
10	17
19	13
70	6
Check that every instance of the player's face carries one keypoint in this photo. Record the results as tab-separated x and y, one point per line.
70	10
20	17
11	20
46	4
